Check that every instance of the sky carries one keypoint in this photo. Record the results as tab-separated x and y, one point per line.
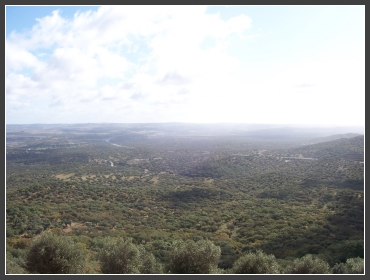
192	64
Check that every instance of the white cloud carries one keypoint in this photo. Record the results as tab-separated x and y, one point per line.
19	85
146	63
18	58
239	24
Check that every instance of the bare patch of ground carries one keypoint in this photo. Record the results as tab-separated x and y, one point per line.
64	176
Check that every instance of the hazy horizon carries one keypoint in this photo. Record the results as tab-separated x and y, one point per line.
255	125
274	65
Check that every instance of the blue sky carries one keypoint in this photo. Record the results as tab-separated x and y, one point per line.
202	64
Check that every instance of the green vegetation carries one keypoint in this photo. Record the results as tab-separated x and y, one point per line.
191	257
256	263
242	199
308	264
55	254
352	266
124	257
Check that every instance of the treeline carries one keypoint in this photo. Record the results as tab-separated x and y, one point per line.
53	253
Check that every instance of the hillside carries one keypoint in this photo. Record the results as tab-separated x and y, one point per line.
242	194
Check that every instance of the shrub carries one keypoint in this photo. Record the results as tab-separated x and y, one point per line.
309	264
340	268
12	267
124	257
149	264
55	254
352	266
256	263
15	263
191	257
119	257
355	265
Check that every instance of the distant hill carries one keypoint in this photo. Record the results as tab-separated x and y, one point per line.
332	138
252	163
348	148
286	132
195	129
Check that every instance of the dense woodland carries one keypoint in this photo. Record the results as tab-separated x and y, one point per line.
155	194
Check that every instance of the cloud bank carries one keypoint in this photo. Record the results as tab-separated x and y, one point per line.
145	64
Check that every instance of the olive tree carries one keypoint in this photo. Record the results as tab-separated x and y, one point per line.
55	254
355	265
192	257
123	257
308	264
256	263
149	264
352	266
